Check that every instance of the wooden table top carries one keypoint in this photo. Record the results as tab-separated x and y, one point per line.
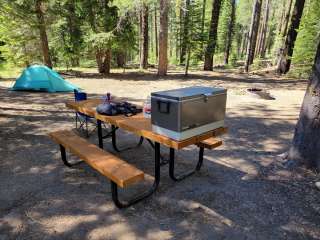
139	125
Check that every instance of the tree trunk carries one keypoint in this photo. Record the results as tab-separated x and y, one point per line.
187	61
211	45
239	42
156	32
140	35
230	32
103	59
255	19
203	18
177	36
244	44
43	34
99	60
285	54
121	59
107	61
151	32
264	30
286	19
259	36
144	36
163	38
280	23
306	141
74	33
171	35
185	32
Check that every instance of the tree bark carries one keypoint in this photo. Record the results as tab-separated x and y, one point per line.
255	19
121	59
244	43
185	32
74	33
259	36
264	30
187	61
103	59
285	54
43	33
212	41
203	18
230	32
107	61
286	19
144	36
280	23
239	39
306	141
156	32
163	38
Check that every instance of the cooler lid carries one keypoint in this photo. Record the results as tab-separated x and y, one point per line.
189	92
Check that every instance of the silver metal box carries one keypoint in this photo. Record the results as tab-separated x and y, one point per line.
187	112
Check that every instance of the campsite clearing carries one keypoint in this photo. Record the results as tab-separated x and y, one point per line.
242	191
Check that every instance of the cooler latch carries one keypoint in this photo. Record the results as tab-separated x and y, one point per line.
206	96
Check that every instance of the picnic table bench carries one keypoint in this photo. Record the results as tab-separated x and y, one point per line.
118	171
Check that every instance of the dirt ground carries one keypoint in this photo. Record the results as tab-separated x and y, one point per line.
242	192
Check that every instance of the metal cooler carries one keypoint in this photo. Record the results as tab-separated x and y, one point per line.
186	112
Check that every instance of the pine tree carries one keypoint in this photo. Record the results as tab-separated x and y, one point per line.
212	41
306	141
163	38
308	36
284	60
255	19
144	35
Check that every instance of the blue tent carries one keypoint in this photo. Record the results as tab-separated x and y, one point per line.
42	78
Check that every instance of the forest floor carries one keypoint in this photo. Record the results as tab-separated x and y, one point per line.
243	190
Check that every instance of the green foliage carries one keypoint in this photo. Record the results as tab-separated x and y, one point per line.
77	29
20	37
195	39
308	37
100	41
223	27
243	13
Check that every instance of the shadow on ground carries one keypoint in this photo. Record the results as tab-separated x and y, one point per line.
227	199
226	77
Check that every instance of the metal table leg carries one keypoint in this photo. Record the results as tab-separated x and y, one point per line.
100	133
163	160
187	174
124	204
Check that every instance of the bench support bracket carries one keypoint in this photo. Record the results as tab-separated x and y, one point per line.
187	174
64	157
138	198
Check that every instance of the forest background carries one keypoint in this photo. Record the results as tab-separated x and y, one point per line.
201	34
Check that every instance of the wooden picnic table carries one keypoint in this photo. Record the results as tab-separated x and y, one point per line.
142	127
139	125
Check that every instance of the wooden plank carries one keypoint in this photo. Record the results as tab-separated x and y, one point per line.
86	106
114	168
210	143
140	126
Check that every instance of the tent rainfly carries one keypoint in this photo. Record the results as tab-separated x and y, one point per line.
42	78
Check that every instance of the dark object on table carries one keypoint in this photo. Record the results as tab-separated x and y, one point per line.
186	112
116	108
